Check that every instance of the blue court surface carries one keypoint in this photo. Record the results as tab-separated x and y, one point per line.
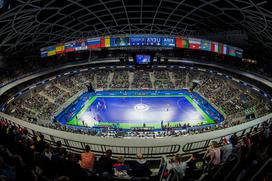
130	109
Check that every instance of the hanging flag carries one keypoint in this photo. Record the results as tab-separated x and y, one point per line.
205	45
239	53
215	47
81	45
225	49
232	51
60	49
182	42
93	42
44	52
51	50
69	46
107	41
102	42
194	43
220	47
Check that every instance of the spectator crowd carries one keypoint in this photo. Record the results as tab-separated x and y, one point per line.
25	157
232	99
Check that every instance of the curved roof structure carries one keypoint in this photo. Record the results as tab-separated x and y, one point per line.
26	24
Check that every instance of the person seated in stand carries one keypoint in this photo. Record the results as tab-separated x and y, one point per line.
178	165
47	152
194	168
120	168
119	162
59	152
105	165
140	167
87	159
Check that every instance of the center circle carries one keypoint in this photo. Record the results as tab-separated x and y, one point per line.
141	107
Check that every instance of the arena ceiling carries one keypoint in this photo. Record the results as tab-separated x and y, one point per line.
32	24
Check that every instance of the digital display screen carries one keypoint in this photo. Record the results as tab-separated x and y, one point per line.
143	59
169	42
153	41
137	41
119	41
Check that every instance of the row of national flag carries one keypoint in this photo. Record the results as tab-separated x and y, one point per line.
206	45
106	41
72	46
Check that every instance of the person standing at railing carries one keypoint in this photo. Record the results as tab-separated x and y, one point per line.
234	142
244	149
226	149
178	166
194	167
87	159
213	154
40	144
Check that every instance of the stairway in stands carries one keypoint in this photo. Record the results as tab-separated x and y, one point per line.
130	79
62	88
94	82
110	77
172	79
152	79
47	97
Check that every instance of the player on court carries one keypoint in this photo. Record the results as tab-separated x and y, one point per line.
167	107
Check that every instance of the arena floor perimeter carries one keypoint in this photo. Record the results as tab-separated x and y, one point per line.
133	109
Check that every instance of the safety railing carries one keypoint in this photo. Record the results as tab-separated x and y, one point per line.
239	130
264	172
76	142
128	147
